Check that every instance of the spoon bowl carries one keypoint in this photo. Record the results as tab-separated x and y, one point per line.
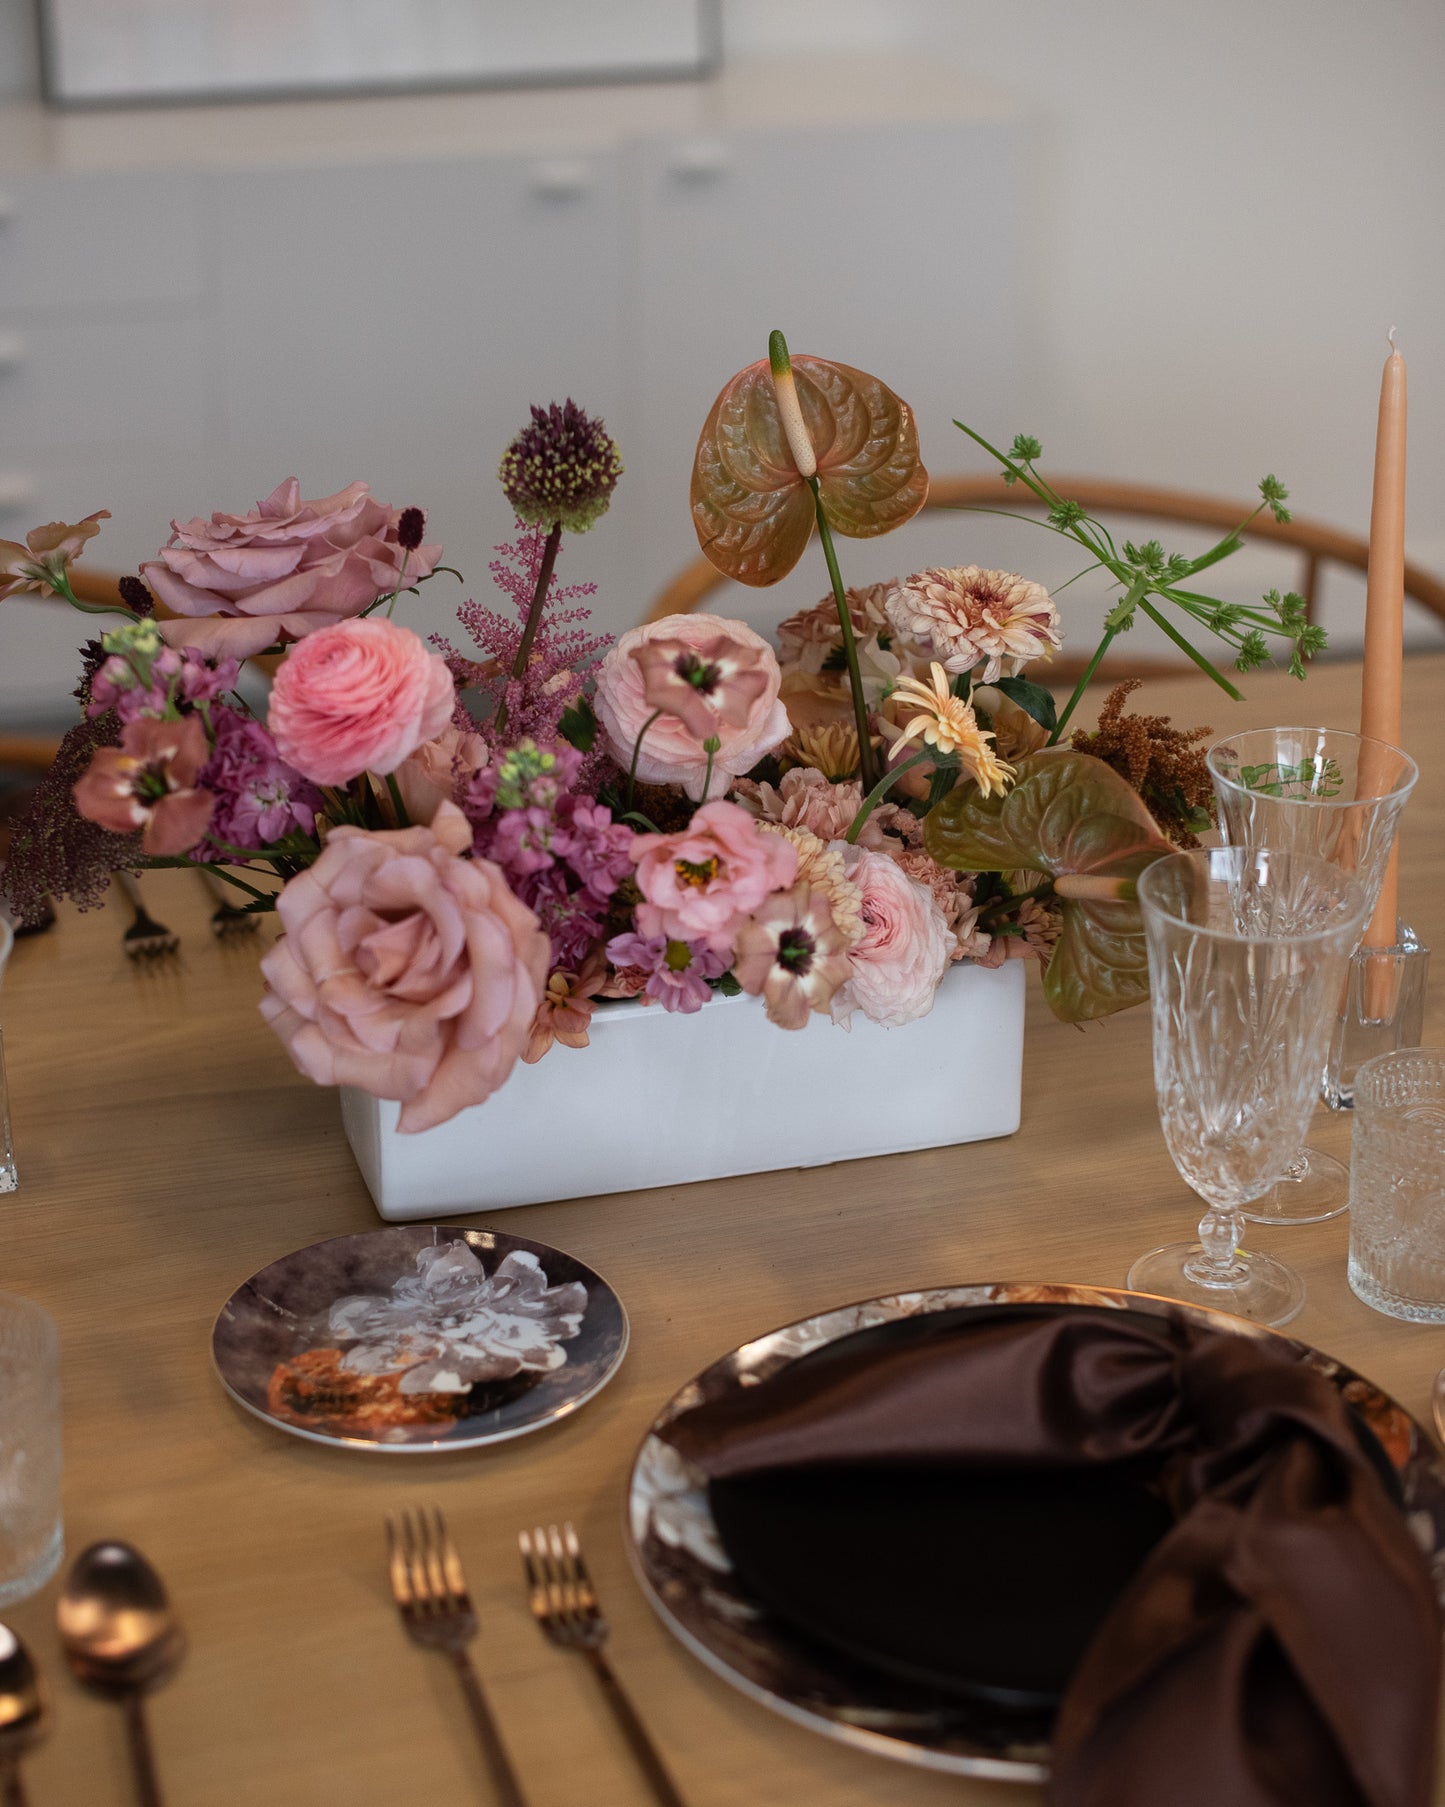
22	1705
115	1620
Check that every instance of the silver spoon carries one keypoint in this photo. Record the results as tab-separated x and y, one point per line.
22	1710
120	1638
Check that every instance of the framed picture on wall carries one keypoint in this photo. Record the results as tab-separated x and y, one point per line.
116	52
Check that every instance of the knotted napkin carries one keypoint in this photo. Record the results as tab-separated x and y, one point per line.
1280	1643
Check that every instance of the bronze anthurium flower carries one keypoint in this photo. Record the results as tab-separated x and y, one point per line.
1073	818
752	505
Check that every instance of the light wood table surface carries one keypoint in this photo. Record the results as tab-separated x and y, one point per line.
167	1149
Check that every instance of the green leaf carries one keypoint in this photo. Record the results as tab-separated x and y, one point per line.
578	724
1032	697
1066	813
728	986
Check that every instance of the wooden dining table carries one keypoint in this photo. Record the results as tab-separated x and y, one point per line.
167	1149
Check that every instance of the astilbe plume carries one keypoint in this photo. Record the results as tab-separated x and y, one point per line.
1163	763
563	650
54	851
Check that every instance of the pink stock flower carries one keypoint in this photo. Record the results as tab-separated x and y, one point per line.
905	948
438	770
671	753
148	782
281	571
793	955
358	697
699	884
406	970
705	685
259	798
677	970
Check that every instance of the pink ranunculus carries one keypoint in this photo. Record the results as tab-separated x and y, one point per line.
358	697
905	948
699	884
671	753
281	571
405	969
438	769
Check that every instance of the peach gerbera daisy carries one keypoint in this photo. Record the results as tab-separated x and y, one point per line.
946	721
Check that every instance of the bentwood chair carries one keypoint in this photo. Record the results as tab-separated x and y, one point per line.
1317	544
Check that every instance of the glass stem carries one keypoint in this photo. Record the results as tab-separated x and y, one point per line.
1220	1234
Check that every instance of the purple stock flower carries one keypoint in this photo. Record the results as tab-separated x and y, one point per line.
678	971
574	920
259	798
522	841
139	687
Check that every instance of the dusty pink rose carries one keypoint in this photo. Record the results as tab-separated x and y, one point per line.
149	783
284	570
699	884
671	753
437	769
358	697
906	945
405	969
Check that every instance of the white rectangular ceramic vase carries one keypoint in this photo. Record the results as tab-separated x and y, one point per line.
659	1099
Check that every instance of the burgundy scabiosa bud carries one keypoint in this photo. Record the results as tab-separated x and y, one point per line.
136	597
562	467
409	529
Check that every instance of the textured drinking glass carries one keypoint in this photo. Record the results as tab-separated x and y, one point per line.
30	1529
1397	1185
9	1179
1248	948
1383	1009
1338	796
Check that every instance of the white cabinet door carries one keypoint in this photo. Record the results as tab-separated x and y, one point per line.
395	323
891	248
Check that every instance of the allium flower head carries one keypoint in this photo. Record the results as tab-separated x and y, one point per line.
963	614
561	467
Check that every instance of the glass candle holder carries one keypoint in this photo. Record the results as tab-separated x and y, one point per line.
1383	1009
30	1528
1397	1185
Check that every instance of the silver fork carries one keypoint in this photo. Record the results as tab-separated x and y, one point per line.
431	1595
229	922
145	939
564	1603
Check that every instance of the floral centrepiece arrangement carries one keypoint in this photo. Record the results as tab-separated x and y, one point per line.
474	848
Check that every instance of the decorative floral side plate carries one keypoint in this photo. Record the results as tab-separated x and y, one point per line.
421	1338
685	1572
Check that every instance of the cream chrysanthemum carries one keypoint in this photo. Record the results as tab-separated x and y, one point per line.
821	868
946	722
964	614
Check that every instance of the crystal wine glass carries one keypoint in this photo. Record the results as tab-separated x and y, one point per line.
1338	796
1248	948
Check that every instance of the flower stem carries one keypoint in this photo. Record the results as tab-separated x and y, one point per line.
711	744
878	793
637	753
867	765
402	818
534	613
1082	685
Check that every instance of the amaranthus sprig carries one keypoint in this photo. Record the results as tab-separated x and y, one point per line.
1147	571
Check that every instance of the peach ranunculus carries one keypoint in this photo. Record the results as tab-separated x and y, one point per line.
671	753
281	571
405	969
805	798
905	949
438	769
699	884
358	697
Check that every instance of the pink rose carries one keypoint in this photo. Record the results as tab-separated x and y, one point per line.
358	697
905	948
671	753
438	769
406	970
284	570
699	884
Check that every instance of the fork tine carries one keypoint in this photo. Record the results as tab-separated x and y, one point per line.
424	1601
401	1589
586	1593
451	1563
551	1580
536	1593
566	1573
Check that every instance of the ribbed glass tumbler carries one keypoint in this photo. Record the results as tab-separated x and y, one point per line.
30	1528
1247	953
1397	1185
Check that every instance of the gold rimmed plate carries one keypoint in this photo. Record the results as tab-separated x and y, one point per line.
419	1339
927	1705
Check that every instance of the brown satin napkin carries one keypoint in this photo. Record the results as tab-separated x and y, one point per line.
1279	1644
